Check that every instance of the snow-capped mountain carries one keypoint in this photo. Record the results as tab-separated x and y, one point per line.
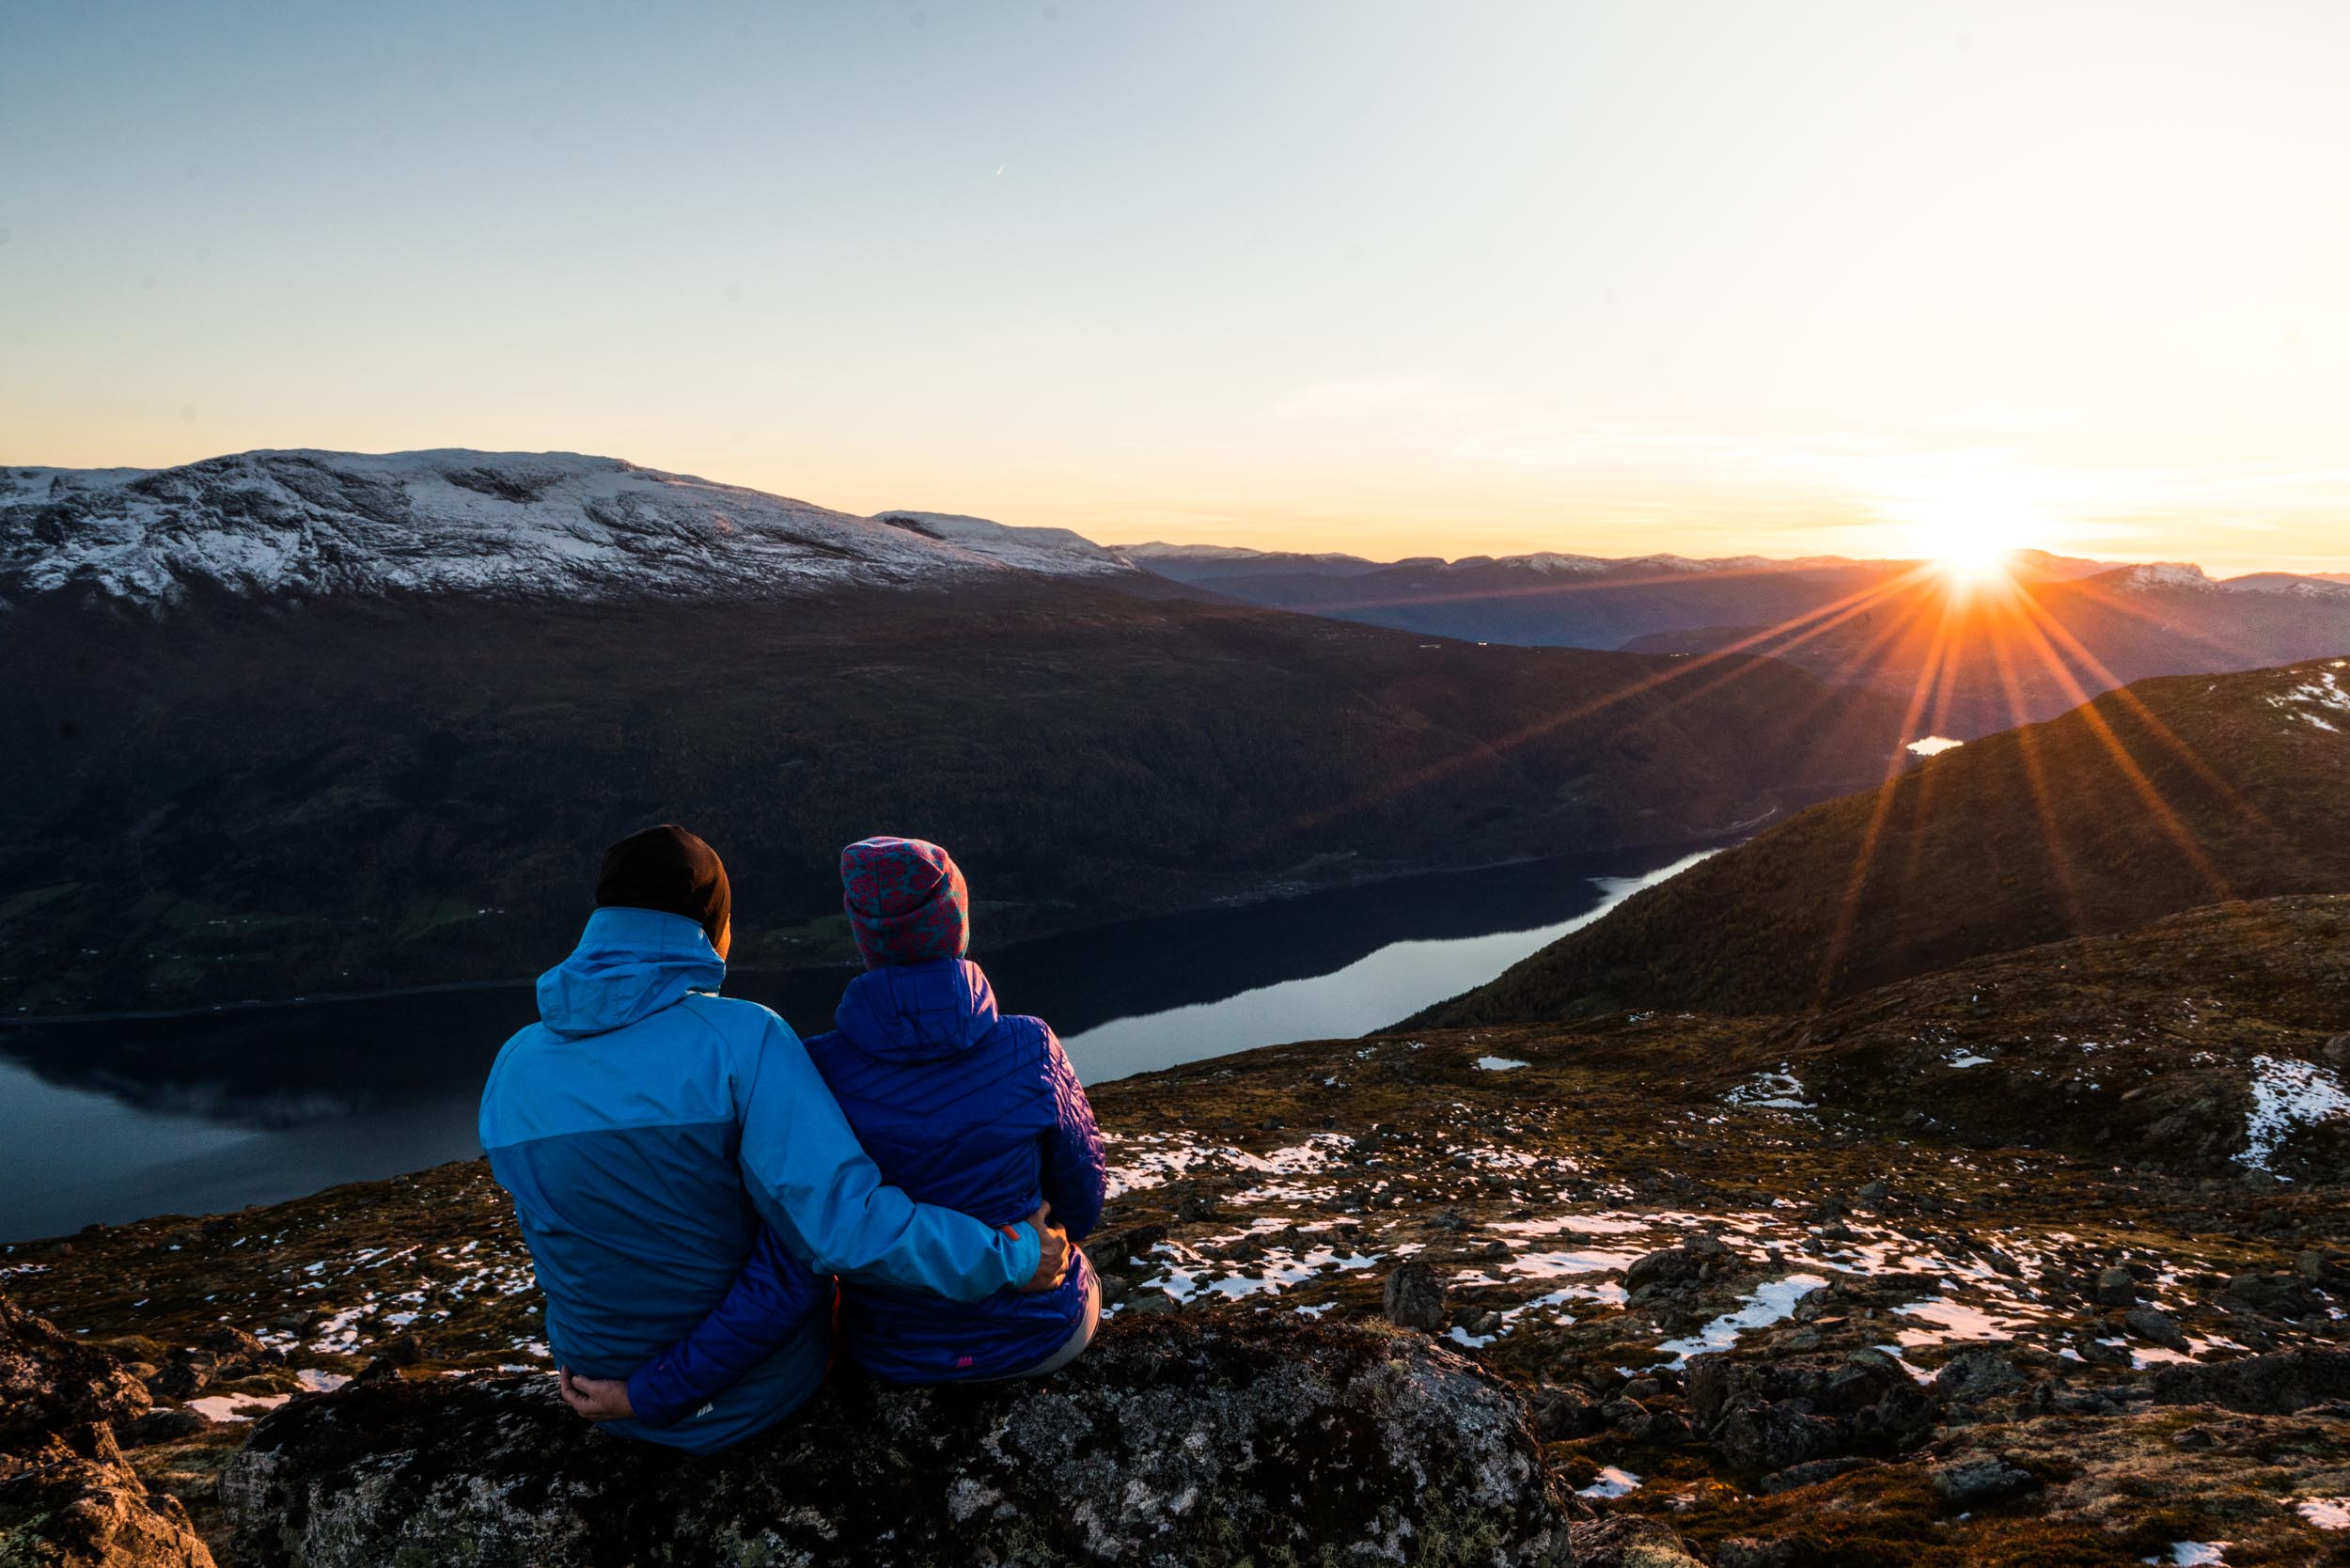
2159	574
1057	551
2185	575
2308	586
508	522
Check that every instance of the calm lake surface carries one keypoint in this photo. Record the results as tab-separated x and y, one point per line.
206	1112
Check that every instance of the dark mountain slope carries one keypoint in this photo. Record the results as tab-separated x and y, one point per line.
2172	793
2217	1034
243	796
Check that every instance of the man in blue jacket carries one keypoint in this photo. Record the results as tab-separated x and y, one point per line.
671	1152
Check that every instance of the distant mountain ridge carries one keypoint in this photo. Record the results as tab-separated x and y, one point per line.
534	523
1974	657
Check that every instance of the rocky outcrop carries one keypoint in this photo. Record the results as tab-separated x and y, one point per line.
1698	1258
67	1497
1771	1415
49	1382
1170	1442
1413	1297
2274	1385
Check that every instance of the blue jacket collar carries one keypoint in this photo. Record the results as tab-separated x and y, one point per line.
918	1011
630	963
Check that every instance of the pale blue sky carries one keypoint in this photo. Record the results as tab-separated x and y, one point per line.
1383	276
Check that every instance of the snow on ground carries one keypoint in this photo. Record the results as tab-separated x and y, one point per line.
235	1407
2325	1512
1159	1158
1772	1302
2324	691
1954	1320
2195	1554
1612	1483
1188	1273
1500	1064
2287	1094
1779	1091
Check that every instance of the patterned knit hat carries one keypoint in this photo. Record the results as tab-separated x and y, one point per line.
906	902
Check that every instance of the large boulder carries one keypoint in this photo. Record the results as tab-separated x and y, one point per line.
72	1500
67	1497
51	1382
1172	1441
2273	1384
1768	1414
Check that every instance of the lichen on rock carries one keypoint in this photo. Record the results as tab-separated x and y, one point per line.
1172	1442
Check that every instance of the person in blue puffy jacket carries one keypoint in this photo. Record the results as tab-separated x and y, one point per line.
685	1182
960	1107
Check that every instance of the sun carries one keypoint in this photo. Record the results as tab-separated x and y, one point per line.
1969	546
1972	558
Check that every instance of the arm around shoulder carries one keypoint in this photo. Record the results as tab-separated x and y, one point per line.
813	1182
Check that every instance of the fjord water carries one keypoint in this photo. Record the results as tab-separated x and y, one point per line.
197	1113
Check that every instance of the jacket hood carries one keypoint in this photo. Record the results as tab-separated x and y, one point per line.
630	963
918	1011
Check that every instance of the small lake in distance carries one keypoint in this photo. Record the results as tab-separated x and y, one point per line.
205	1112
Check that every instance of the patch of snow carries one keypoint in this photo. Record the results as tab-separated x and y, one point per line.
2286	1095
2325	1512
1779	1091
2193	1554
1585	1224
1612	1483
2323	690
1970	1060
1500	1064
320	1381
1953	1320
1934	745
233	1407
1188	1274
339	1333
1772	1302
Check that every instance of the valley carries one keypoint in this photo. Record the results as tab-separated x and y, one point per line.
117	1119
370	762
1865	1154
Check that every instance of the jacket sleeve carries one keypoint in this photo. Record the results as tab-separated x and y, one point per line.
770	1300
811	1179
1075	1168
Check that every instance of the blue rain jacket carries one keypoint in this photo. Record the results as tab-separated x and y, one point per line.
646	1128
970	1110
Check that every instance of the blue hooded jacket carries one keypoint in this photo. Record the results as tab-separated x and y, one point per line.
970	1110
646	1128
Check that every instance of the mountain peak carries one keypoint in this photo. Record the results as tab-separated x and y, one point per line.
2160	574
533	524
